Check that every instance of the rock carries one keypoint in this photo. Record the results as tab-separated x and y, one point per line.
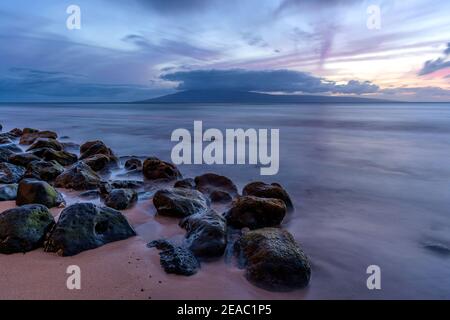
121	199
38	192
105	188
85	226
253	212
133	164
273	259
91	194
44	170
155	169
185	183
7	150
10	173
180	202
5	139
206	234
92	148
78	177
22	159
64	158
29	136
264	190
176	259
8	192
24	228
46	143
97	162
70	146
16	132
217	188
126	184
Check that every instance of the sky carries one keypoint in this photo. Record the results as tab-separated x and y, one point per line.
138	49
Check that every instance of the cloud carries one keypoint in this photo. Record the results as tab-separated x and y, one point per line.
23	84
264	80
441	63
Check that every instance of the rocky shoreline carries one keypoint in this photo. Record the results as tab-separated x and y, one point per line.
34	164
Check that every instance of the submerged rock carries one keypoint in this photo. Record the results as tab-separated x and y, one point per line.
46	143
97	147
23	229
188	183
133	164
253	212
218	188
62	157
10	173
180	202
78	177
39	192
176	259
44	170
8	192
7	150
273	259
85	226
264	190
155	169
126	184
16	132
97	162
121	199
29	135
206	233
23	159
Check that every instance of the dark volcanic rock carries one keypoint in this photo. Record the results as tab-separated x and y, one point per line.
84	226
7	150
176	259
133	164
44	170
217	188
126	184
10	173
29	135
92	148
39	192
23	159
206	233
273	259
8	192
185	183
23	229
253	212
5	139
90	194
121	199
264	190
62	157
78	177
97	162
180	202
16	132
46	143
155	169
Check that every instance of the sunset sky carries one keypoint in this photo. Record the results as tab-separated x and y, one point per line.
137	49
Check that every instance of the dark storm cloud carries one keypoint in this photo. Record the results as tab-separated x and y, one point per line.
431	66
265	80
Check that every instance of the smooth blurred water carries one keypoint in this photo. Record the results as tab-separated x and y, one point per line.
370	183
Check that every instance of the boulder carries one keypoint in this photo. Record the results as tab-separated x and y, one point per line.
7	150
126	184
206	234
188	183
64	158
121	199
273	259
155	169
180	202
254	212
44	170
16	132
22	159
46	143
5	138
218	188
29	136
23	229
10	173
97	147
97	162
133	164
39	192
264	190
85	226
176	259
78	177
8	192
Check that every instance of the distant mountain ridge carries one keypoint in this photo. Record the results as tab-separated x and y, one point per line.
226	96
